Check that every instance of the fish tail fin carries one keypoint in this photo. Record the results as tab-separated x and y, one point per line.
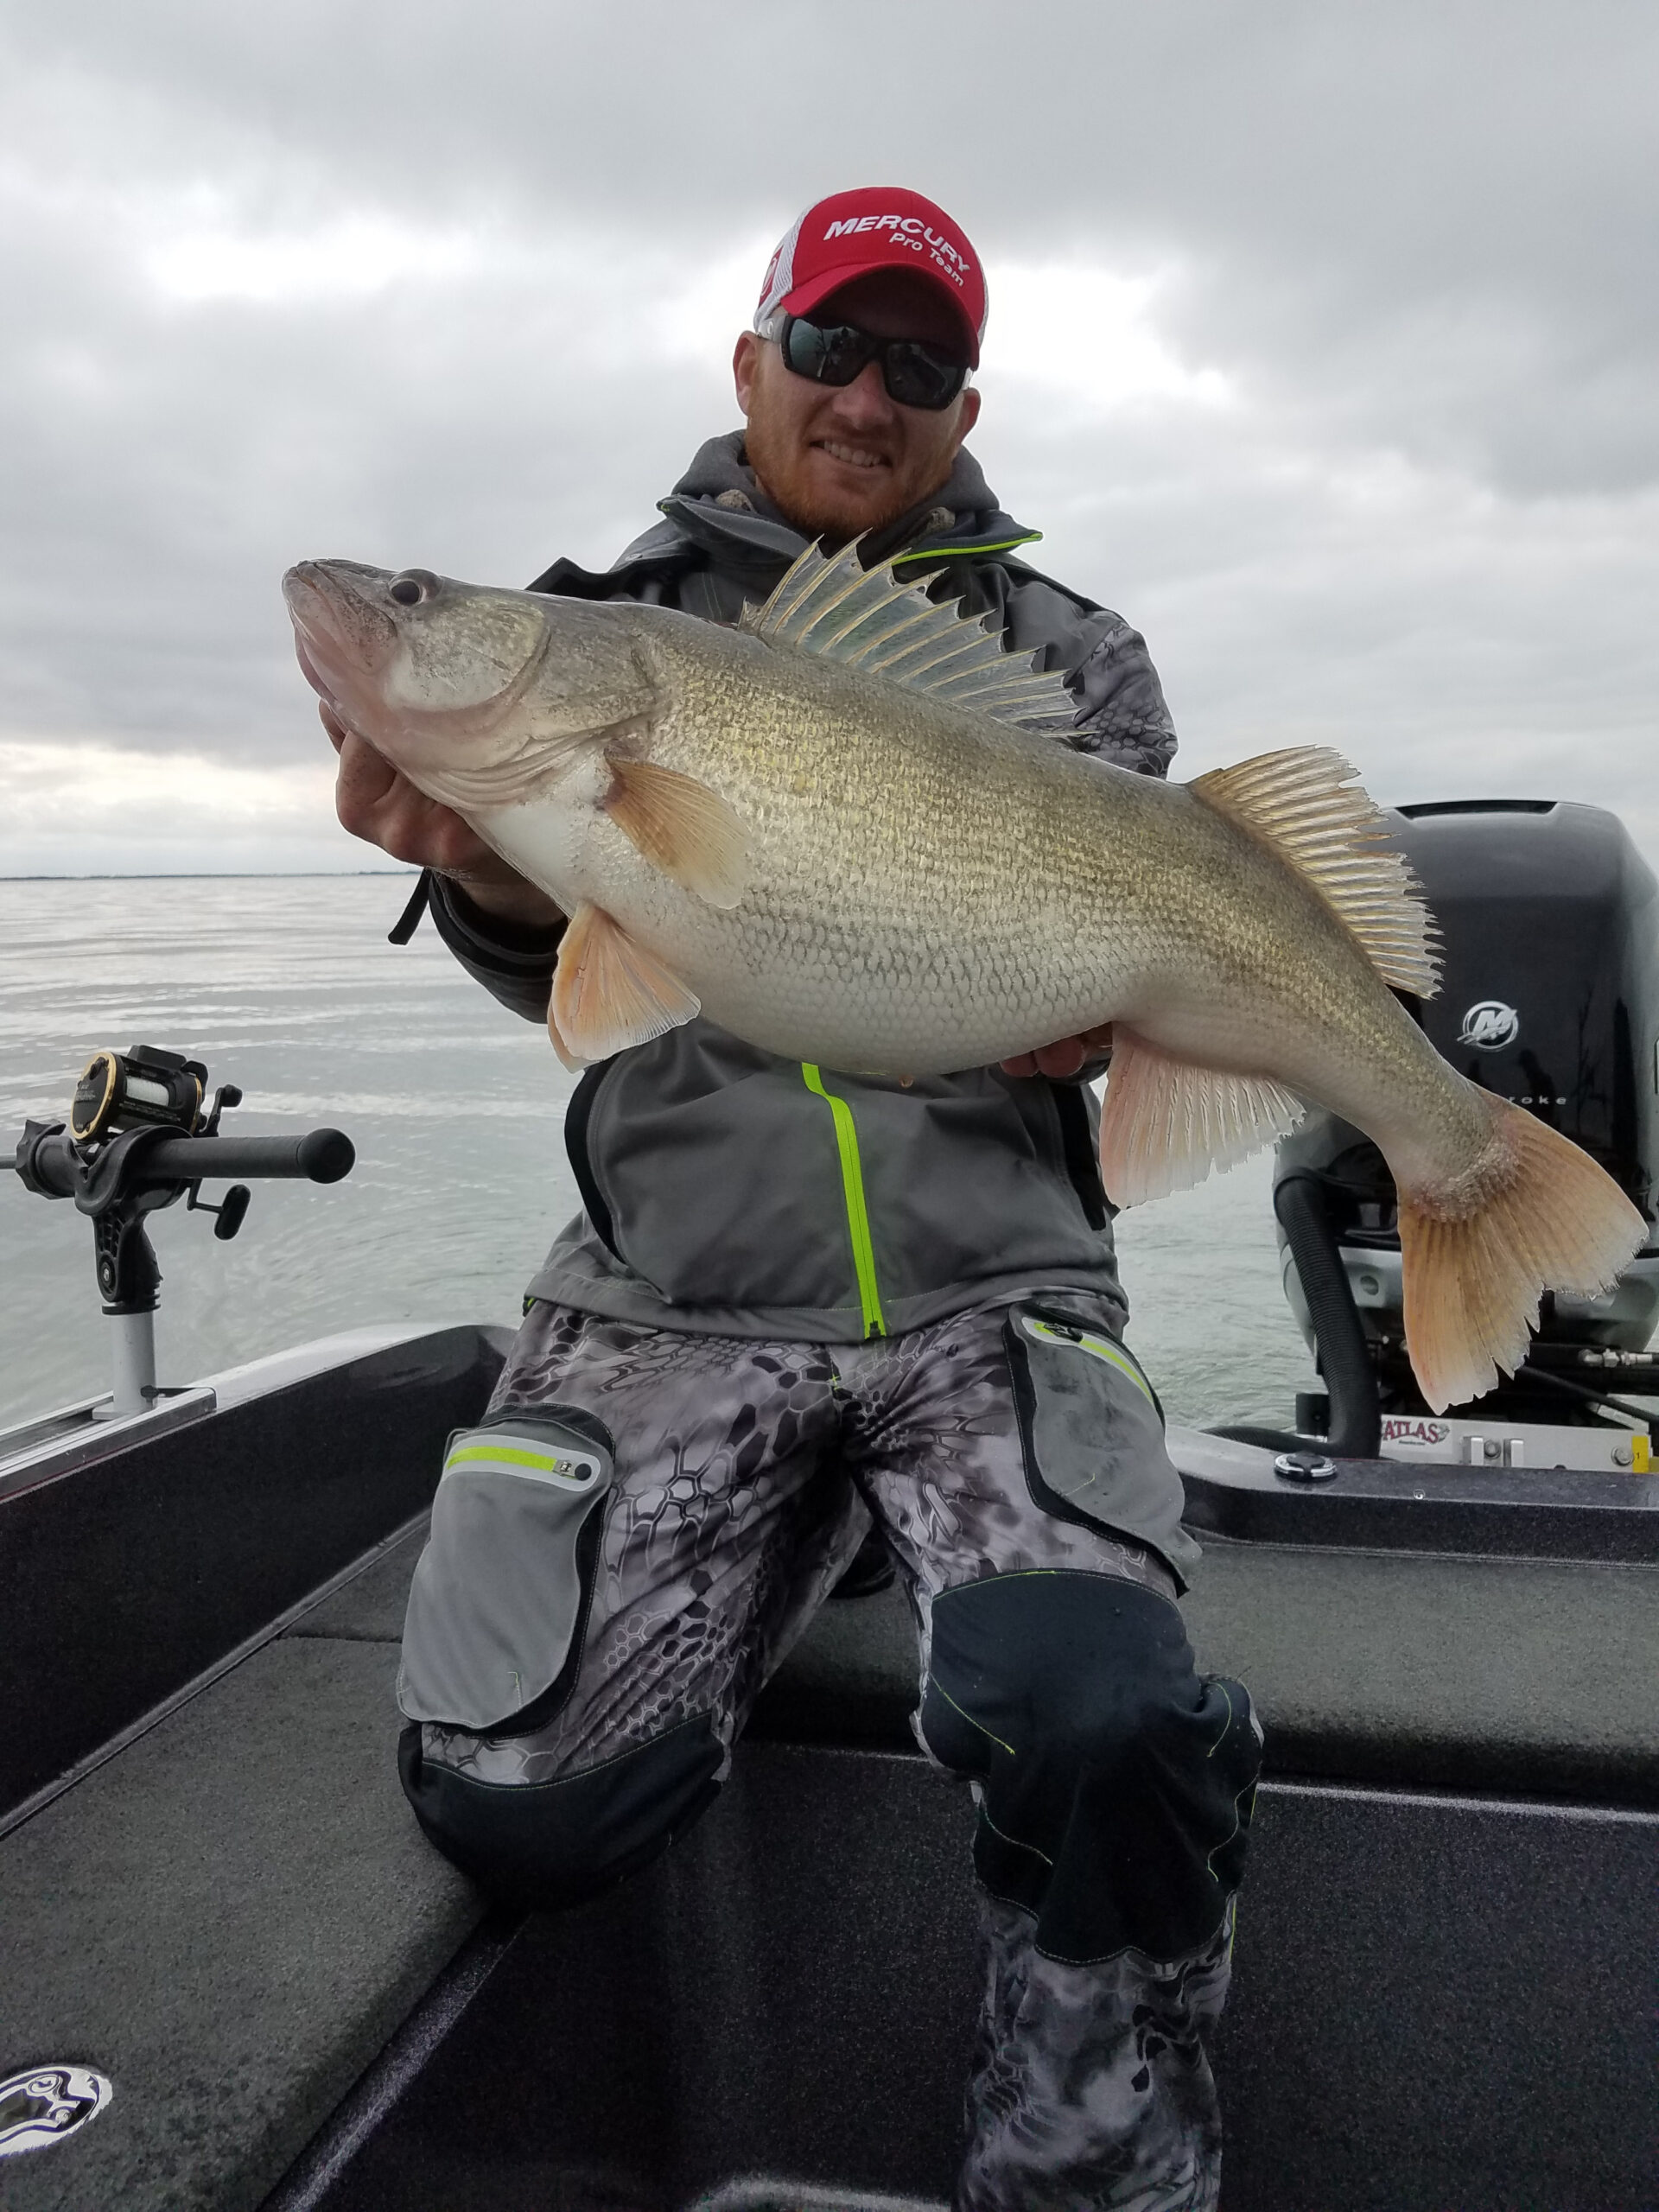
1535	1213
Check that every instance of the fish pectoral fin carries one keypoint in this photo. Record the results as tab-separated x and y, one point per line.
609	992
682	827
1166	1124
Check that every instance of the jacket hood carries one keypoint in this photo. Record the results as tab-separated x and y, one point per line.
718	506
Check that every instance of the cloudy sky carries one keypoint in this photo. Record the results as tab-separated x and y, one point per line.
1322	345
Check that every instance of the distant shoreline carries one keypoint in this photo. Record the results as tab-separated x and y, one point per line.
216	876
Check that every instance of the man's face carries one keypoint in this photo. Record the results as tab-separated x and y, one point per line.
839	460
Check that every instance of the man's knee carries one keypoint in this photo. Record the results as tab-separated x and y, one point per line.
554	1843
494	1645
1115	1781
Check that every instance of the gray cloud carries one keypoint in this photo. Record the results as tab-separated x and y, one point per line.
1411	241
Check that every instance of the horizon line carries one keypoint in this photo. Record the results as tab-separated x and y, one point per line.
211	875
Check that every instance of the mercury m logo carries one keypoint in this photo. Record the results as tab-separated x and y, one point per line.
1488	1026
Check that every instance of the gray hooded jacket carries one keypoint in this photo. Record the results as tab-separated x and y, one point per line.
730	1192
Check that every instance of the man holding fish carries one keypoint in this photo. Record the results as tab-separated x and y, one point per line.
813	883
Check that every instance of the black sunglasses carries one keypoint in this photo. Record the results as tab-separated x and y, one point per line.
915	375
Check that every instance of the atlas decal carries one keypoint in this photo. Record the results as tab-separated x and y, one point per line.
1404	1428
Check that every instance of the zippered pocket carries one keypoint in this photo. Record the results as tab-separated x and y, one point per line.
500	1594
1091	1430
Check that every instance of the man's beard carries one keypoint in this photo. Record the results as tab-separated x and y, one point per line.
786	479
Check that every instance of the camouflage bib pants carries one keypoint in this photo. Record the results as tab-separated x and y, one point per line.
642	1527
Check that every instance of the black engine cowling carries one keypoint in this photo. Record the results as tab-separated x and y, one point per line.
1549	996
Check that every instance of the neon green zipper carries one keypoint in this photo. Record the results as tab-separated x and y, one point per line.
858	1219
944	552
502	1455
1101	1348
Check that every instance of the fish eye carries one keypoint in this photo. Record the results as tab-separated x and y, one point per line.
413	586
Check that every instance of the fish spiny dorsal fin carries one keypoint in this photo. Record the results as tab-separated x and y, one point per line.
1306	806
836	608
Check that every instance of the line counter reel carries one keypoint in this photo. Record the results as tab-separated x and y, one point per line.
143	1088
140	1136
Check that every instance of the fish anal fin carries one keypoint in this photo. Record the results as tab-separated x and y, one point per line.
1165	1123
834	608
1306	804
609	992
682	827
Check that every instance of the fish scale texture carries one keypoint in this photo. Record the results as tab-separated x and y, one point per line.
928	888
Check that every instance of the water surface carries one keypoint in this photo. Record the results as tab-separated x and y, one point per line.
286	986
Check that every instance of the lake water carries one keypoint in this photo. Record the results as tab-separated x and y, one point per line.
286	986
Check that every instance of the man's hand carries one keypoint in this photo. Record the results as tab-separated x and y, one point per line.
1064	1057
374	802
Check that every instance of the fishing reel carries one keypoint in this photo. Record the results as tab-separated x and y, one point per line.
148	1087
138	1139
145	1088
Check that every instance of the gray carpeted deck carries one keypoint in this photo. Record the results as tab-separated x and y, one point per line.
231	1916
228	1920
1527	1676
370	1608
1523	1676
1520	1675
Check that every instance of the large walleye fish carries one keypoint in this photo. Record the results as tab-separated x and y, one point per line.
826	830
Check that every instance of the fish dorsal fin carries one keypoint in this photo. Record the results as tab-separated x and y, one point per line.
1305	804
1166	1124
836	608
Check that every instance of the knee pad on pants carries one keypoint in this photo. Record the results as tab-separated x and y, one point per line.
554	1843
1115	1782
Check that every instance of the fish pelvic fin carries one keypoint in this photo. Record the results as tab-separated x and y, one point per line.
609	992
682	827
1165	1123
1535	1213
1306	804
836	608
572	1060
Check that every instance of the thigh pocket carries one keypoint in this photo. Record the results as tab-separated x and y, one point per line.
1092	1432
499	1598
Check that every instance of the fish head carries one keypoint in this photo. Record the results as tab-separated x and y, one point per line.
478	696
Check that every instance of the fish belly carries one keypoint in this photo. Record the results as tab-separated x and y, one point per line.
862	942
906	918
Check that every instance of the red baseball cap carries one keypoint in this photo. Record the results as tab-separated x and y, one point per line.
851	234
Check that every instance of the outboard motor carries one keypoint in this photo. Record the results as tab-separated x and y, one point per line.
1549	996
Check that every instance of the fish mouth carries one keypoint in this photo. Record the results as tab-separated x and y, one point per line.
445	715
349	640
340	637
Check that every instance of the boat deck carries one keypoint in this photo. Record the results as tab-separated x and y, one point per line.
1445	1960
